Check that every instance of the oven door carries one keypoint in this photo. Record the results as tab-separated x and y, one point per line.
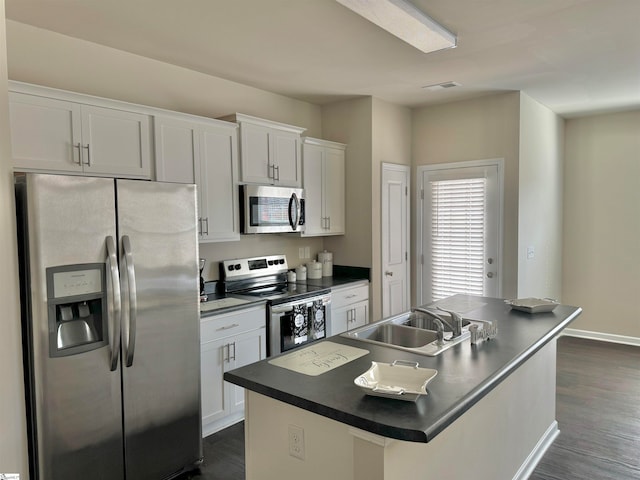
298	322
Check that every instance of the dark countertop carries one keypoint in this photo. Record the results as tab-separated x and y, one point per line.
331	282
466	373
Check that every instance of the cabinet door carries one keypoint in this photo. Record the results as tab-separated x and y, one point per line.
45	133
246	348
254	152
286	158
215	400
333	183
360	315
176	149
115	142
217	183
312	183
340	319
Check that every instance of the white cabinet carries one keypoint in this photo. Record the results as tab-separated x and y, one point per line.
55	134
349	307
270	152
228	341
204	152
323	180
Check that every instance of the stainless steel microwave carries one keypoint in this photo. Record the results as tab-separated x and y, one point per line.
267	209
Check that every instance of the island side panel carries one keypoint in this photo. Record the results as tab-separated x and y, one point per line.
327	443
501	437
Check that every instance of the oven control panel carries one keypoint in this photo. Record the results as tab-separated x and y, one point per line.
245	268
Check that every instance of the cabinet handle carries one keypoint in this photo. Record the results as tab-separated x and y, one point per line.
206	222
328	223
276	168
225	358
351	296
88	155
227	327
271	171
234	352
79	162
199	225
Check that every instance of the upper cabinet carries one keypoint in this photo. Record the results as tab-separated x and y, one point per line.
270	152
58	131
323	173
204	152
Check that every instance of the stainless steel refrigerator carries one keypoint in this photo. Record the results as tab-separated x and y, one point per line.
110	295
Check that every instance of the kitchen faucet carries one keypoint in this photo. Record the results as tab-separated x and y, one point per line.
456	320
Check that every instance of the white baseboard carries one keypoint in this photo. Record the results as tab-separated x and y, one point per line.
605	337
526	469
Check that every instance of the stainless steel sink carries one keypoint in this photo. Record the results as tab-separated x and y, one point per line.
411	331
397	335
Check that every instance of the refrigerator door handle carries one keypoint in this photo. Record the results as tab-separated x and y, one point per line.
130	303
115	306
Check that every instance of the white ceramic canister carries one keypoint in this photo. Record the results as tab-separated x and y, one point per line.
314	270
291	276
326	259
301	272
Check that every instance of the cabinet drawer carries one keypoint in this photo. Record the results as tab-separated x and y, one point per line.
219	326
347	296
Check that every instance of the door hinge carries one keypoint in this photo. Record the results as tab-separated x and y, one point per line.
421	259
406	256
406	191
421	194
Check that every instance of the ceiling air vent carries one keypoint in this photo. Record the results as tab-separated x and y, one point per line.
441	86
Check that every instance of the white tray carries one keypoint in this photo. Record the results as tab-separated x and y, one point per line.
532	305
399	380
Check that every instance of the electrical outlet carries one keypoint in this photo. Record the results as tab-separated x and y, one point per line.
531	253
307	253
301	252
296	441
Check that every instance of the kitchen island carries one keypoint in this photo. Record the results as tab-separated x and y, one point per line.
489	413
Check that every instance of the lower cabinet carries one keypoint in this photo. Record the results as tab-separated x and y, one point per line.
228	341
349	307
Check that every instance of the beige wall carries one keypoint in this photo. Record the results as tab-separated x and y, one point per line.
46	58
540	200
601	258
477	129
13	443
391	137
350	122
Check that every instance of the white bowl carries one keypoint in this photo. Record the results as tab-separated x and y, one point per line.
532	305
399	380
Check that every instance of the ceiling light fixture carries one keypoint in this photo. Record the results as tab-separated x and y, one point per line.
405	21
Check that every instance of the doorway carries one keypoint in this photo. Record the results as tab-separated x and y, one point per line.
459	229
395	226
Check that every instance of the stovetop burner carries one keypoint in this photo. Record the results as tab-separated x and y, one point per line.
264	277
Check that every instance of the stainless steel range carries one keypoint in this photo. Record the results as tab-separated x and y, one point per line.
297	314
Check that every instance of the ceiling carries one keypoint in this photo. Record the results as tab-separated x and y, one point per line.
575	56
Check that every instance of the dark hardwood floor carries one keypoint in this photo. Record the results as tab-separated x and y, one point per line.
598	412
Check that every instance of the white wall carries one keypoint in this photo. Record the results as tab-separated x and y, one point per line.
601	254
13	443
540	200
477	129
46	58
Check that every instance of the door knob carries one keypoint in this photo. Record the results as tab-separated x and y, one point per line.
389	274
489	274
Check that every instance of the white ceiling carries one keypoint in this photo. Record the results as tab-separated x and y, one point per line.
575	56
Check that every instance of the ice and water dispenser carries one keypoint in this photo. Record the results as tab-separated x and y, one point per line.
77	308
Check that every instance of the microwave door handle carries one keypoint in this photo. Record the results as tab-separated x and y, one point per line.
294	200
115	306
130	307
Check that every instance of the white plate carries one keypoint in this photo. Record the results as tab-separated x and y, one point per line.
399	380
532	305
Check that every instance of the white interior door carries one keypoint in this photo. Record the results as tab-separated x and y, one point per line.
395	239
460	230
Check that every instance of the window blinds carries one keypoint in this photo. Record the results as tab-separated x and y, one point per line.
457	236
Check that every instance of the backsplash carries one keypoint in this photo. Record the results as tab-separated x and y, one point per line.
256	245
